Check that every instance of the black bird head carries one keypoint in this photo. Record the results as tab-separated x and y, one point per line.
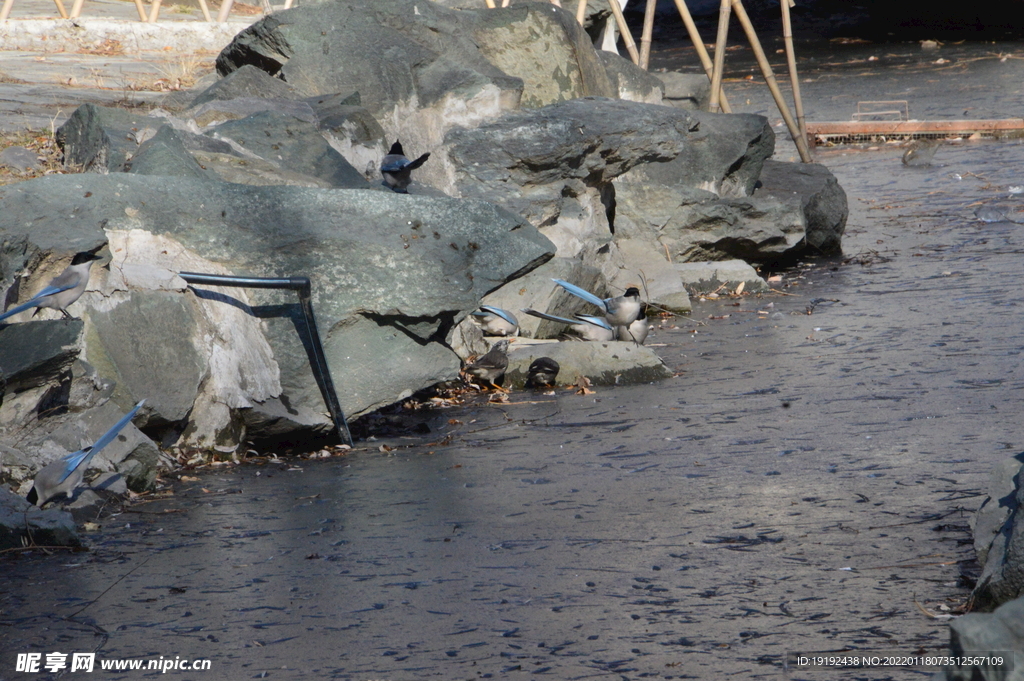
84	257
396	149
632	292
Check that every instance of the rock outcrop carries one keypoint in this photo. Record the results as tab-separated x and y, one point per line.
999	537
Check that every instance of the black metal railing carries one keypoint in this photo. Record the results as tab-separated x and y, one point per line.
317	359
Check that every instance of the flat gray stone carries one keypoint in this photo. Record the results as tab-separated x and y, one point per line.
705	277
22	524
685	90
19	158
612	363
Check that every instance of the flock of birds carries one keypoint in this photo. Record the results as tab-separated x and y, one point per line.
624	319
65	474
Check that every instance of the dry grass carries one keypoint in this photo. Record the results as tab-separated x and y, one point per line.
179	75
42	144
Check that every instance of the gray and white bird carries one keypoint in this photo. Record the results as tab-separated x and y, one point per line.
397	169
492	365
65	474
542	373
637	331
63	290
585	327
495	321
619	311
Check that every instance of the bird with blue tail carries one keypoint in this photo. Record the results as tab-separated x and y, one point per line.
65	474
583	327
63	290
397	168
619	311
495	321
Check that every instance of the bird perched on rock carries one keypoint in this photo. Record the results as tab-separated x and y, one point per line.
584	326
492	365
619	311
637	331
495	321
397	169
65	474
542	373
63	290
920	152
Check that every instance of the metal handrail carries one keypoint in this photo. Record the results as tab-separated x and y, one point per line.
318	362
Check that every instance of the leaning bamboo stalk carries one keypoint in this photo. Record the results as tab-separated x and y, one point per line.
769	76
645	37
138	8
787	34
60	8
154	12
76	9
627	37
225	10
719	65
490	4
556	3
504	3
6	10
581	11
702	52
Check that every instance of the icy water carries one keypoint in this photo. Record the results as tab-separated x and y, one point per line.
803	485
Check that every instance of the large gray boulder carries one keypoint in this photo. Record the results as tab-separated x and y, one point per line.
102	139
386	297
822	199
37	354
999	537
981	636
420	68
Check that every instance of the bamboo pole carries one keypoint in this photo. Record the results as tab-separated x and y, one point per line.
627	37
225	10
138	8
581	11
490	4
60	8
8	4
719	65
702	52
787	34
645	37
504	3
76	9
556	3
766	70
154	12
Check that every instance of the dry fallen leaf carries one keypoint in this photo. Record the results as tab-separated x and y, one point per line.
582	386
